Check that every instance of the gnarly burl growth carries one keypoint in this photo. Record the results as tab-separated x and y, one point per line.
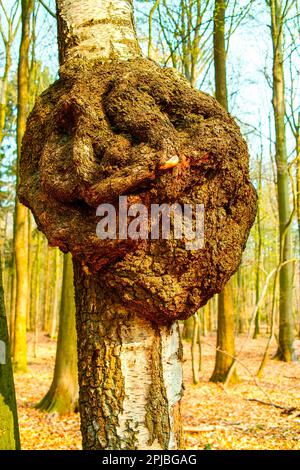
105	130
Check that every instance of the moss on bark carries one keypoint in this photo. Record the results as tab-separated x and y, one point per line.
9	430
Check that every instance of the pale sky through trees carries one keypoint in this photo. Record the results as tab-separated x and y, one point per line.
249	67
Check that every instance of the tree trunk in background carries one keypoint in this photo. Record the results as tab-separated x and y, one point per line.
241	307
33	284
4	86
9	430
130	374
298	174
8	34
12	304
298	193
188	328
56	294
189	56
285	350
30	271
225	338
225	335
220	52
196	348
211	314
37	293
258	251
21	212
47	311
62	396
204	317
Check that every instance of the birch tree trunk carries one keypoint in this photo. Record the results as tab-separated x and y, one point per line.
130	374
98	29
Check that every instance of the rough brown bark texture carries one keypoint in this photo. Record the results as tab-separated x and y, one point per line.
117	350
104	130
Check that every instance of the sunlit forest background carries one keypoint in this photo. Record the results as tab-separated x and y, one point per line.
250	397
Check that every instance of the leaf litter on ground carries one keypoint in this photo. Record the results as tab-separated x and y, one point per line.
215	417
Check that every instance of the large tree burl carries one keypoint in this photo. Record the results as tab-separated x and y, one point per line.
105	130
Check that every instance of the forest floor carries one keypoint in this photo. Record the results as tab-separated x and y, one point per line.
214	417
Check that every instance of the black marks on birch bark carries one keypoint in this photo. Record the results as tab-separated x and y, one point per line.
157	408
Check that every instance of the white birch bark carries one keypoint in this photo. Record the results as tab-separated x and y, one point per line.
138	342
97	29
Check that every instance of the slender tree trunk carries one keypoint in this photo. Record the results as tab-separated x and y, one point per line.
30	271
33	283
190	55
37	294
9	430
220	52
258	253
45	311
7	290
188	328
62	396
4	86
150	27
56	294
211	313
21	212
286	324
241	307
298	197
130	374
225	343
298	174
225	335
8	34
22	291
12	303
205	315
196	365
